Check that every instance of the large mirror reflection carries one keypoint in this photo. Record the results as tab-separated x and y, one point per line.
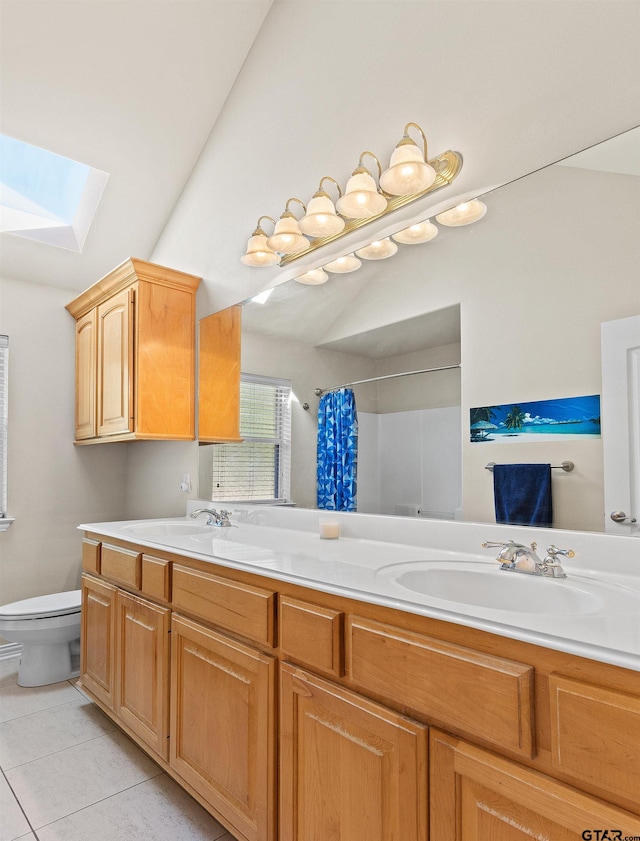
515	300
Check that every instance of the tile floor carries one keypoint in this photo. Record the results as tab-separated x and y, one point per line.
68	774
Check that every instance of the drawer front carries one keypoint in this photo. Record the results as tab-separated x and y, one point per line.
91	555
121	565
595	735
312	635
457	688
156	578
245	610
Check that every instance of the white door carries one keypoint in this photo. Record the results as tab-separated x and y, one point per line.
621	424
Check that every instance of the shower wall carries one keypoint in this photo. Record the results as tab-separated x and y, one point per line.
410	463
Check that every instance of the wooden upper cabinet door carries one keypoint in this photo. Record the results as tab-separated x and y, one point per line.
86	364
164	361
479	796
223	726
142	677
219	376
349	768
97	645
115	364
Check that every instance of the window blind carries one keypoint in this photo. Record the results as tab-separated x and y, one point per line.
259	468
4	415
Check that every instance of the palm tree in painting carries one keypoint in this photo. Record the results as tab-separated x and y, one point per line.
515	418
482	413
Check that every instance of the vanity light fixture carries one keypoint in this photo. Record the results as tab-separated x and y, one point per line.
408	172
314	277
463	214
343	265
410	176
380	249
258	252
362	199
421	232
321	219
287	237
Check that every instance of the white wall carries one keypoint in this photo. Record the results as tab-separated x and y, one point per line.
512	86
53	486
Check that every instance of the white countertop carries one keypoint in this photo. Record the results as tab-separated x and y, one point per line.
407	564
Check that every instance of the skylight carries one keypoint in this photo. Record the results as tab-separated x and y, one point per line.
47	197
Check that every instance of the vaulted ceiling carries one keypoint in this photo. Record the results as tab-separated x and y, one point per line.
130	88
170	96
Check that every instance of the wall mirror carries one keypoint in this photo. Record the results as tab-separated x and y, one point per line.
517	299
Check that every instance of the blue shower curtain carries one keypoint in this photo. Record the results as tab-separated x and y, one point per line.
337	450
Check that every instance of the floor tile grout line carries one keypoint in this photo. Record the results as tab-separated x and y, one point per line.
70	747
43	710
60	750
15	797
103	800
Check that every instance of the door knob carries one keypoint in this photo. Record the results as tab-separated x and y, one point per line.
621	517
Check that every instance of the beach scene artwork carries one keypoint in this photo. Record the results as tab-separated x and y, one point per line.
571	417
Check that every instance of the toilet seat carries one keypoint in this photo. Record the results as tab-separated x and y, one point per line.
41	607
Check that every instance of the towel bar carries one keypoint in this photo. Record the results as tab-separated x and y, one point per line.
567	466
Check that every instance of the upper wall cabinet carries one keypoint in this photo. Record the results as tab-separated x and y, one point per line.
219	377
135	355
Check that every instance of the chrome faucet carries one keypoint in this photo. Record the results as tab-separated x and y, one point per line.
215	518
520	558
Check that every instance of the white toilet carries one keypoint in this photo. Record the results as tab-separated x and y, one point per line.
48	628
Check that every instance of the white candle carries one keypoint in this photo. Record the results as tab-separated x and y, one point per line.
329	529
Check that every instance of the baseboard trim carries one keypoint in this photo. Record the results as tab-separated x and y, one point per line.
10	650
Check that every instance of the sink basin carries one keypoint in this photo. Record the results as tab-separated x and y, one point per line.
168	528
486	586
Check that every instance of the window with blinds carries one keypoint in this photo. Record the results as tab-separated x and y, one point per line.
259	468
4	414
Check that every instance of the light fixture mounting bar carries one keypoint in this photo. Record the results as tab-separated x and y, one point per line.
447	167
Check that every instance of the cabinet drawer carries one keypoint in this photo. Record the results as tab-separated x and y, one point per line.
246	610
476	694
91	555
595	735
156	578
121	565
312	635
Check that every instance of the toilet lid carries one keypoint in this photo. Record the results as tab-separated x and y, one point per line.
56	604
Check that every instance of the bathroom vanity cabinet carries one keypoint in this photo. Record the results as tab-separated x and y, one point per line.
297	714
135	355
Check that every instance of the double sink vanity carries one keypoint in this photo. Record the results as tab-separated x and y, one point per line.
378	687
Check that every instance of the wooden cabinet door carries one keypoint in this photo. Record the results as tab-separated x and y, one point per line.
86	371
349	768
219	376
223	726
115	364
479	796
97	646
142	676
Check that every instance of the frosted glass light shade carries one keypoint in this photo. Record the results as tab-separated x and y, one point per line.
422	232
286	237
258	252
343	265
321	219
361	199
463	214
408	172
314	277
378	250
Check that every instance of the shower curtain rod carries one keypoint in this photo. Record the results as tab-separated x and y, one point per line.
320	391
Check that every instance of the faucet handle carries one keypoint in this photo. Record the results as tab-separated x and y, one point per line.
553	552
